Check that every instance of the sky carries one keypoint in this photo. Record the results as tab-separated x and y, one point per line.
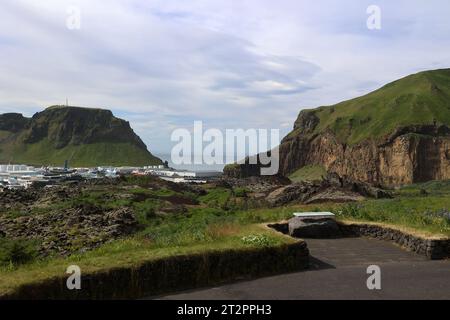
232	63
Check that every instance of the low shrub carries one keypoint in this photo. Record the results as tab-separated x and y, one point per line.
240	192
17	252
259	240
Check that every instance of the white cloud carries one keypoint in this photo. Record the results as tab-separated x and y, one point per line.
162	64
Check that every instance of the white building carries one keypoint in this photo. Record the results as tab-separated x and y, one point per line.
15	168
184	175
154	167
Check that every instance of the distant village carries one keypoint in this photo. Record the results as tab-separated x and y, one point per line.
18	176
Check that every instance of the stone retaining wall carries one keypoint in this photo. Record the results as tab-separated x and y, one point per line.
173	274
432	248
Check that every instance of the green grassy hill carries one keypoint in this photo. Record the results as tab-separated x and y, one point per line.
422	98
85	137
85	155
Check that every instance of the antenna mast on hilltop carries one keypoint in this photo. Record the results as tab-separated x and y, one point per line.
67	102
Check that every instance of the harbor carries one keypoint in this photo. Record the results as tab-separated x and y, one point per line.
19	176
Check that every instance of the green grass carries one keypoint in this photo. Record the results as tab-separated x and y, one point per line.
164	192
426	215
441	187
4	134
216	197
240	192
84	155
308	173
139	249
420	98
99	198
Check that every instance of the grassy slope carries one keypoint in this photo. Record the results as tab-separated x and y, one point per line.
308	173
43	153
136	250
417	99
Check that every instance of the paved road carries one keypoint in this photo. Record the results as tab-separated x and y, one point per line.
338	271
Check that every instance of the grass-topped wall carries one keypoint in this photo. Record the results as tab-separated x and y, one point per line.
173	273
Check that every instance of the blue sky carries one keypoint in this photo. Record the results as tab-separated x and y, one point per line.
233	64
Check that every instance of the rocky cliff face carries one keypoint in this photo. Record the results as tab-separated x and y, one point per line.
411	154
75	125
13	122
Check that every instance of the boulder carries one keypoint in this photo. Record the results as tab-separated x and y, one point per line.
333	194
296	192
313	227
308	192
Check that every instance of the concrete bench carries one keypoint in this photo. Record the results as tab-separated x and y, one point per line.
314	215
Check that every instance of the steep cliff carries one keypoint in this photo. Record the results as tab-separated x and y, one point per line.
398	134
420	154
85	137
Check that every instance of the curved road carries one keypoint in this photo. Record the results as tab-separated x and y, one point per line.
339	271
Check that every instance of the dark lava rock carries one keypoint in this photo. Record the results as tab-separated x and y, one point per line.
256	183
311	192
63	231
293	192
333	194
332	189
13	196
318	228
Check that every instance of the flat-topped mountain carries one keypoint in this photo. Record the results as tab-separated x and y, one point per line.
84	136
398	134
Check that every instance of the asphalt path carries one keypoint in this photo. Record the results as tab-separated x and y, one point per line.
338	270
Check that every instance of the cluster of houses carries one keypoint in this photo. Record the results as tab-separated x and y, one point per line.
15	176
170	174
